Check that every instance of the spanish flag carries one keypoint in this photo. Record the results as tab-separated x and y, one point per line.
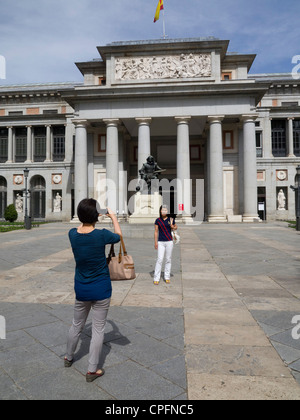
160	7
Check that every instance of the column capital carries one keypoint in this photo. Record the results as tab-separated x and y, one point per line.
290	118
248	118
183	120
143	121
80	123
111	122
215	118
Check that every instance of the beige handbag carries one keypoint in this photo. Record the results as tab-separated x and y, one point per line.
121	267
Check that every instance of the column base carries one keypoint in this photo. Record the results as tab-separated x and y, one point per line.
217	219
251	219
187	219
75	220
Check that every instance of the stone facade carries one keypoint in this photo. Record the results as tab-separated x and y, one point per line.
189	103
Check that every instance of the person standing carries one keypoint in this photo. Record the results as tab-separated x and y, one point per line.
163	242
92	282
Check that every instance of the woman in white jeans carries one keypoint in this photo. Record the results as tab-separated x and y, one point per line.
163	242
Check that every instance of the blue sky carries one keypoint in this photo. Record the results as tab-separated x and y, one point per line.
41	39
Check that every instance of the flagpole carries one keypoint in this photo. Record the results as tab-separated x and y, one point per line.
164	25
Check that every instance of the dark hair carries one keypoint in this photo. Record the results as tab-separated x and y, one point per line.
161	208
87	211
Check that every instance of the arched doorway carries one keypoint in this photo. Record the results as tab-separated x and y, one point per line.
38	197
3	196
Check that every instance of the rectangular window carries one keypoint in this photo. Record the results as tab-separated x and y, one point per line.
3	145
227	75
296	128
39	144
21	144
195	152
58	143
228	140
279	138
101	143
15	113
259	149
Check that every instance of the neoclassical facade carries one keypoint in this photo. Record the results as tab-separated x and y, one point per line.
229	141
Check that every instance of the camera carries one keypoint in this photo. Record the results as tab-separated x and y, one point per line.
102	211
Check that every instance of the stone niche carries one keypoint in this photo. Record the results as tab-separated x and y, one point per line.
181	66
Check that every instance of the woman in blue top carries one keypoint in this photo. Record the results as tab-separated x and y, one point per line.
163	242
92	282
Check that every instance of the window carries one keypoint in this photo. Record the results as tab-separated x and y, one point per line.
195	152
279	138
15	113
21	144
50	111
296	127
58	143
39	144
227	75
3	145
259	149
101	143
290	104
228	140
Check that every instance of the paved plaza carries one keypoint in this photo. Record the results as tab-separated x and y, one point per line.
221	330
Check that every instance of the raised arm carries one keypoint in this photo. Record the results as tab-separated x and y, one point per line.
114	219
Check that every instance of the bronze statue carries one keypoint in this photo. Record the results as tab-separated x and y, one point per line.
149	171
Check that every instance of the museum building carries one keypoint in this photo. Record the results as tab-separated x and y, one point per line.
228	140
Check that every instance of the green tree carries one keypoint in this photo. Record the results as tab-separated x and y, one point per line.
10	213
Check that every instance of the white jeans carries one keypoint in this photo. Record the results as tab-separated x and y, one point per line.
163	248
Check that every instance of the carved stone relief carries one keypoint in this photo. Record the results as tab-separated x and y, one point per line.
163	67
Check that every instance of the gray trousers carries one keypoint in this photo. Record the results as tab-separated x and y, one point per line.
99	315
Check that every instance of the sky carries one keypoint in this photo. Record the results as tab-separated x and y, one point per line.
41	40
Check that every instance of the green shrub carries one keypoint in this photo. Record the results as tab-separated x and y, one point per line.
10	213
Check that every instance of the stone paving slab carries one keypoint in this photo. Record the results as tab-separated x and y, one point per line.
220	330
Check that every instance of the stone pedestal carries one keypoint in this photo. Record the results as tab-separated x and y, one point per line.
146	208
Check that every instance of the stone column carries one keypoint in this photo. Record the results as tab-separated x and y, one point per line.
291	137
184	192
216	170
69	129
80	163
10	156
29	145
112	163
144	143
250	213
48	143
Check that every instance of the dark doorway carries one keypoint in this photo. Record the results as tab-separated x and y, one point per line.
38	198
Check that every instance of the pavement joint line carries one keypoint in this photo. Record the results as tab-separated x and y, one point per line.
262	382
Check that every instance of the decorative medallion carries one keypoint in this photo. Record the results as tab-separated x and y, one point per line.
56	179
281	175
18	179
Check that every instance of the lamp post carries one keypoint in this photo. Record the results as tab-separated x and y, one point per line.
27	219
296	189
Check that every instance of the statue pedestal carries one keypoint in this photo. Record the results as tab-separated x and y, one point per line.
146	208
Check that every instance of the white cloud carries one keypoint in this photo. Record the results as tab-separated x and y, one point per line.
41	39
